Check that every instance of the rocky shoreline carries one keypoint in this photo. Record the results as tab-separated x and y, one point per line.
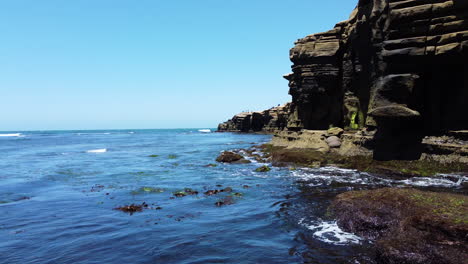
407	225
382	92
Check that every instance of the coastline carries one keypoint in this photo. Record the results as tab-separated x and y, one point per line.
383	93
404	222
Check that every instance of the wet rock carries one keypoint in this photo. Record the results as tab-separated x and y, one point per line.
227	189
211	165
97	188
245	186
180	194
212	192
408	225
143	190
133	208
189	191
263	169
185	192
228	200
231	157
153	156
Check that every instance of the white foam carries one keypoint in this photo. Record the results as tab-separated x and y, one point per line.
204	130
426	181
328	175
330	232
11	135
97	151
106	133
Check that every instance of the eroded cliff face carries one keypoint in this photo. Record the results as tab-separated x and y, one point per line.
273	119
398	66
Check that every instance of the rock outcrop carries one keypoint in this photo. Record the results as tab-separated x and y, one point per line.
270	120
398	66
407	225
395	66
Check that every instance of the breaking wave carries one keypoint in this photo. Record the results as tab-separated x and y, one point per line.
97	151
330	232
329	175
12	135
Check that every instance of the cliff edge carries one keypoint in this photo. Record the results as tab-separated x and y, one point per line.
394	76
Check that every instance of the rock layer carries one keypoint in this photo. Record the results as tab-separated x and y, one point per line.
398	66
270	120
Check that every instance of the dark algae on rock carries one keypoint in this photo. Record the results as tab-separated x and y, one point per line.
231	157
408	225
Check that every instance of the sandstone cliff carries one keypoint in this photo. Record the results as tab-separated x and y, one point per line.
397	66
271	120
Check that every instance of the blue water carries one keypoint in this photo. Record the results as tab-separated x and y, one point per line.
57	202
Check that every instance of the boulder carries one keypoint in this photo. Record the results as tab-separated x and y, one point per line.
333	142
231	157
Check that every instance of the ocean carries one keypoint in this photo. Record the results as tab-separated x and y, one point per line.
59	191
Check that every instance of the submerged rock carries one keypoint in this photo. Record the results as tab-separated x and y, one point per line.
185	192
228	200
133	208
231	157
408	225
143	190
263	169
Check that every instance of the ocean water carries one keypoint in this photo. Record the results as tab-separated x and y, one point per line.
59	191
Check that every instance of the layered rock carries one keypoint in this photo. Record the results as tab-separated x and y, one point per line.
273	119
399	66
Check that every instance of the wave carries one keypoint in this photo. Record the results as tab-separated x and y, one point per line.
12	135
204	130
329	175
80	134
97	151
331	233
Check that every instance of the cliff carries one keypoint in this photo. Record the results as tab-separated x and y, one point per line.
397	67
271	120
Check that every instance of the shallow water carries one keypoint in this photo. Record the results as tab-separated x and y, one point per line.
58	191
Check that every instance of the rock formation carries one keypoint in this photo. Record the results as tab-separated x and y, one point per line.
397	66
270	120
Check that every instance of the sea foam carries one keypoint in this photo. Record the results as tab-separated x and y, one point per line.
330	232
97	151
204	130
11	135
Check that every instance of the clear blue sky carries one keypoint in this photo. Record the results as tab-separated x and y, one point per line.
102	64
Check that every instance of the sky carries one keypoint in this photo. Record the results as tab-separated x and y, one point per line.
117	64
